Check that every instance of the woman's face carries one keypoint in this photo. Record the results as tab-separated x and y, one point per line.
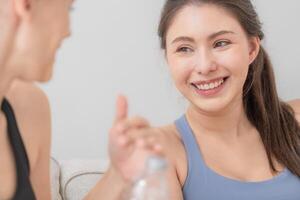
42	29
209	54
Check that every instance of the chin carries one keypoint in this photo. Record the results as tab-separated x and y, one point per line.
44	74
212	107
47	71
217	106
45	77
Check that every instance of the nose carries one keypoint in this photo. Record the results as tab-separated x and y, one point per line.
205	62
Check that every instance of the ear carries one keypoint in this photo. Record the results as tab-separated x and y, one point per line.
22	8
254	47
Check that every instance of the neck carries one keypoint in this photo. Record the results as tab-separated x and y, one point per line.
5	83
229	123
7	42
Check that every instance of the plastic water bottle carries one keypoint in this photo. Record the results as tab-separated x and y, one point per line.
152	184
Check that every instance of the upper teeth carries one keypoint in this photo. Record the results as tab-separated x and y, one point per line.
209	86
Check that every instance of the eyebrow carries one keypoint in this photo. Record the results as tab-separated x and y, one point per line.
189	39
223	32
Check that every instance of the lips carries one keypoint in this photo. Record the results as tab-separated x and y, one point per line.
210	88
209	84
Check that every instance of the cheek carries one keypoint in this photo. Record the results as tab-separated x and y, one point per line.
180	69
65	19
236	61
61	23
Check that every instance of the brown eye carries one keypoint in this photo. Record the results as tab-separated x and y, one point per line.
221	44
184	49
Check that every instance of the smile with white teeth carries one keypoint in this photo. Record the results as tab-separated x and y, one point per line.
209	86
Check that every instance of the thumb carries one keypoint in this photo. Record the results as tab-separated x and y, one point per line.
121	108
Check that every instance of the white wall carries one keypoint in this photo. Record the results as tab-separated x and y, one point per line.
114	48
282	29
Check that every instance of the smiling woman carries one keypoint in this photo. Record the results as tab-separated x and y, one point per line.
31	32
237	139
227	76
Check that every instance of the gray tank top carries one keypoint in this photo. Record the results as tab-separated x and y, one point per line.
202	183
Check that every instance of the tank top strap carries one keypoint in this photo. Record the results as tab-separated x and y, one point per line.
23	189
16	141
196	165
203	183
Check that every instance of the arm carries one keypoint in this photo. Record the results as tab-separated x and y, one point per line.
32	112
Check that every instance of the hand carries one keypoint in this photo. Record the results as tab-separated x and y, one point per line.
131	141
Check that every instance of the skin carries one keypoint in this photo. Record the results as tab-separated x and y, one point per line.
219	123
32	32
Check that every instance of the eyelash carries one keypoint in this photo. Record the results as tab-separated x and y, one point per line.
188	49
184	49
222	41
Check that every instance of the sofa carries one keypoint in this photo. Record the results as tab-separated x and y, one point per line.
73	179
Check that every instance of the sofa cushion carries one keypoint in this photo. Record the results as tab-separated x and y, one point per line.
79	185
78	177
55	173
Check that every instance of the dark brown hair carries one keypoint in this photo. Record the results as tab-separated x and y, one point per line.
274	119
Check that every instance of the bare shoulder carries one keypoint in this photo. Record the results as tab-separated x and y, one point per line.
23	95
295	104
175	150
32	111
172	143
170	137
